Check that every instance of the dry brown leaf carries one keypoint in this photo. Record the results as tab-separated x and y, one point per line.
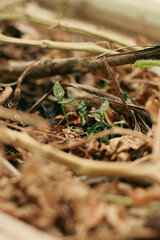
120	147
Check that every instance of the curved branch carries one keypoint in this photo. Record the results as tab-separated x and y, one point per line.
82	166
50	67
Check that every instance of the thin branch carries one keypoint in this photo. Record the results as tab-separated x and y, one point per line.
117	88
48	44
69	25
149	172
115	101
50	67
39	101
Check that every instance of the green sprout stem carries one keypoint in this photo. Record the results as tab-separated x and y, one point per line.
64	113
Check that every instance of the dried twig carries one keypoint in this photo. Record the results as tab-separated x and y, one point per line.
115	84
69	25
50	67
37	104
127	111
113	100
147	172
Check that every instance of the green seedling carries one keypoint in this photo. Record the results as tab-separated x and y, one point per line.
100	125
59	93
152	65
82	107
104	107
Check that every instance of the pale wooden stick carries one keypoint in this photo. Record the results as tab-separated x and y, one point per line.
48	44
149	172
70	25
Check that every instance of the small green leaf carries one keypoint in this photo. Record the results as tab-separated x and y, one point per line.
104	106
125	96
146	63
58	91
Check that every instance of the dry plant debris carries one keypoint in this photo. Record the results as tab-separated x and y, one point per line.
80	134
